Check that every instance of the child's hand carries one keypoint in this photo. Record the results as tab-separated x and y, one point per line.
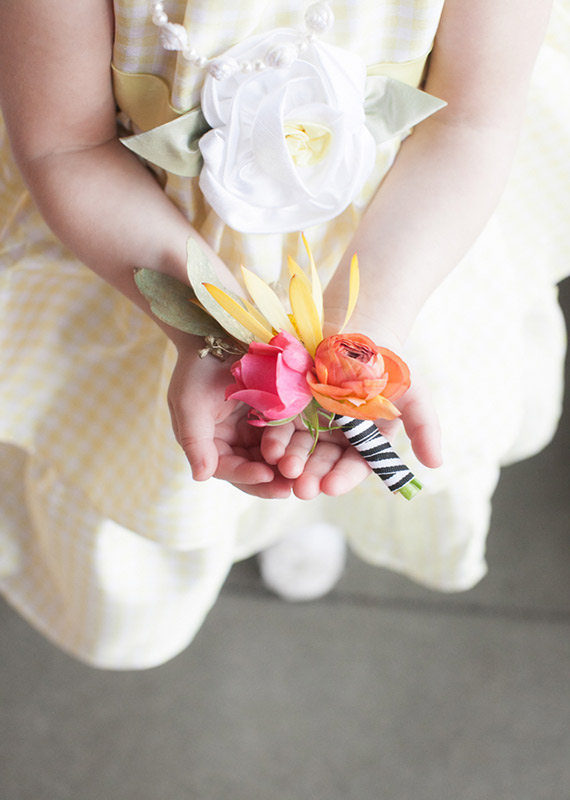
212	431
420	423
335	467
266	462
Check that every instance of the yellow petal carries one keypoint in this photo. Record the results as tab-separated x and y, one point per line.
238	313
354	288
315	281
295	269
254	312
200	272
267	302
305	313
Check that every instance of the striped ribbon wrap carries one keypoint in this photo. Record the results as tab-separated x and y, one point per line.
379	454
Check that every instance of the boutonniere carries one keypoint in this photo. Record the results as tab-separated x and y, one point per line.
286	368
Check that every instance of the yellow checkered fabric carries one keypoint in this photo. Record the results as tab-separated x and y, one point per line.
106	544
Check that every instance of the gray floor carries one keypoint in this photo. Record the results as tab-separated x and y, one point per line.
382	691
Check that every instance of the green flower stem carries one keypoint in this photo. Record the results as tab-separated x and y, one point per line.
411	489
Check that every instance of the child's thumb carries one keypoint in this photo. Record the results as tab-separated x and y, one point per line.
196	437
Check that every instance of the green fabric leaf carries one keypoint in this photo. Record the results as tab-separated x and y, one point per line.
200	271
174	145
170	301
392	107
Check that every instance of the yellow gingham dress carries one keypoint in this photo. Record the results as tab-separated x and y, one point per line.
106	544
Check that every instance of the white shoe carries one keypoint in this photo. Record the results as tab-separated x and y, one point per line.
306	563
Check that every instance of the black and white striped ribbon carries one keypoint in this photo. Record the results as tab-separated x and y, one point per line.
376	450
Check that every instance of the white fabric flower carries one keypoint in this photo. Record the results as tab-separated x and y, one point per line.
288	147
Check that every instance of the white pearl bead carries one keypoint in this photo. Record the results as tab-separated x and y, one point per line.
160	18
281	57
173	36
222	68
319	17
189	54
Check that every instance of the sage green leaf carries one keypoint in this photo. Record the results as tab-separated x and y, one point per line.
170	301
200	271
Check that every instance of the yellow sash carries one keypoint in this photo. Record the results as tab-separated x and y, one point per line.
145	99
170	137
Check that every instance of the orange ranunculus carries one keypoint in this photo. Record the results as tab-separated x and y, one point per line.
357	378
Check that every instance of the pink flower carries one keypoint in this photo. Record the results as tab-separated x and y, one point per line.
271	379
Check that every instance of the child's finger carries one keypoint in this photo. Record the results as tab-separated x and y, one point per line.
277	489
320	463
422	427
350	470
274	441
237	469
195	434
296	454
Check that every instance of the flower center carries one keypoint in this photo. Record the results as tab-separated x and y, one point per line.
360	352
307	142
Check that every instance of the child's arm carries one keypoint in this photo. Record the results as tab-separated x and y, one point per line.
57	101
449	173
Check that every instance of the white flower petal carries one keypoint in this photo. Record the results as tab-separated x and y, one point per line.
249	176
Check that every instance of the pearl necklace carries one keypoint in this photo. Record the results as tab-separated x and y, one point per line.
319	19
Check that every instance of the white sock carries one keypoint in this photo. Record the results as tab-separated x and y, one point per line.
306	563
